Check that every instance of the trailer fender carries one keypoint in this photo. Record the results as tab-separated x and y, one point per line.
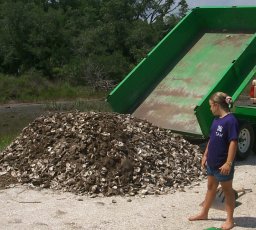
245	140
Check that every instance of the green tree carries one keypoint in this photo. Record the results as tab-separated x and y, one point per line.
32	38
82	41
120	33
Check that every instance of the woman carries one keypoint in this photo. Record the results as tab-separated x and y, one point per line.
219	156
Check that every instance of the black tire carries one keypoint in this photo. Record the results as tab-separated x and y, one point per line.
254	144
245	141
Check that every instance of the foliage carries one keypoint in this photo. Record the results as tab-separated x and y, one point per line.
81	42
33	87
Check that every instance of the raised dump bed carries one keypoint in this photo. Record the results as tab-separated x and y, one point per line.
211	49
171	103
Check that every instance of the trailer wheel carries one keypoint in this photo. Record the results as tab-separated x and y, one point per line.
254	144
245	141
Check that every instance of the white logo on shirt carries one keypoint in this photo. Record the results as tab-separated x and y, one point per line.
219	131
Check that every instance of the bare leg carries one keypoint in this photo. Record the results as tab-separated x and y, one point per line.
209	197
229	204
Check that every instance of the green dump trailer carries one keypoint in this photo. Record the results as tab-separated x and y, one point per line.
211	49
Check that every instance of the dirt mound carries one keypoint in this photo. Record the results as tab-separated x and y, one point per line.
101	153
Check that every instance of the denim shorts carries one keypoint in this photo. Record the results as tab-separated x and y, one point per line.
220	177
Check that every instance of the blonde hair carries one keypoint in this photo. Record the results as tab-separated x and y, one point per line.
223	100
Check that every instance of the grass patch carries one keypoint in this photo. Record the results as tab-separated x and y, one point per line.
6	140
35	88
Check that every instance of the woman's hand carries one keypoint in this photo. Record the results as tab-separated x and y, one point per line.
225	169
203	161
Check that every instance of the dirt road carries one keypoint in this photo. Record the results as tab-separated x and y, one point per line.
23	208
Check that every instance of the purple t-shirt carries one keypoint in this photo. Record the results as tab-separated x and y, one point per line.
223	130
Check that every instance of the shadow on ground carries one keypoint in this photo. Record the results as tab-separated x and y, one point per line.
246	222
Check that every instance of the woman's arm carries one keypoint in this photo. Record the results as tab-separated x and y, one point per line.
203	162
225	169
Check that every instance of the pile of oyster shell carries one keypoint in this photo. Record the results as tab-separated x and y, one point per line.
101	154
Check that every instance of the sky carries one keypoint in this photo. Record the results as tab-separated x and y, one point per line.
195	3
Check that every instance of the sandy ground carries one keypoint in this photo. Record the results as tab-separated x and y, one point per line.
24	208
